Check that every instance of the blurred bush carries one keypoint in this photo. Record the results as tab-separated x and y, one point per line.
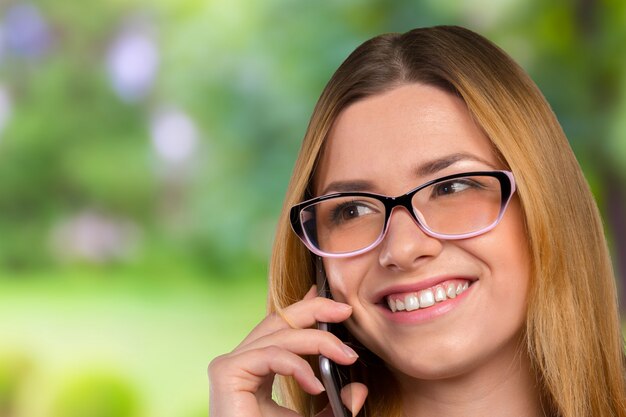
97	394
175	124
145	147
14	372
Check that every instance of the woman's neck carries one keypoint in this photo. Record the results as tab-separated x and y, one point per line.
503	386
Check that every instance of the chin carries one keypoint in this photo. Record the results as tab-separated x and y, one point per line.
454	361
432	371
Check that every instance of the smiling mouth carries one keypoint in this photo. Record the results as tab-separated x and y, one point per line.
427	297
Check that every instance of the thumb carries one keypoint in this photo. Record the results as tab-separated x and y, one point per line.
353	396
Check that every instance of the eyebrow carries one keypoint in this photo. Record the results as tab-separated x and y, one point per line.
425	169
434	166
347	186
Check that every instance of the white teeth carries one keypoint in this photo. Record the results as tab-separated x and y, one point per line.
451	291
411	303
427	298
440	294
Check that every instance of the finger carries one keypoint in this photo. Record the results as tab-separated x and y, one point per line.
241	383
308	312
272	409
303	314
353	396
306	342
261	363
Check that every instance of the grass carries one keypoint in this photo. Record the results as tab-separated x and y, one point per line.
158	336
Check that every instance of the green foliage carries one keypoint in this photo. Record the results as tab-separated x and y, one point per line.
97	395
248	74
14	371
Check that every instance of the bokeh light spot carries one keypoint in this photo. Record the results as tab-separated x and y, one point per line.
132	64
26	33
174	135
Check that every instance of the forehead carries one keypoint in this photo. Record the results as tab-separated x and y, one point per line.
384	138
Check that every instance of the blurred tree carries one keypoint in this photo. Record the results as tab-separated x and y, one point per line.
184	118
171	127
580	65
70	143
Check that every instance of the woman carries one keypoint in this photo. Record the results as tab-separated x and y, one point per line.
484	287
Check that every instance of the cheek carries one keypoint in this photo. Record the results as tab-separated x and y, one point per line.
515	256
345	276
504	252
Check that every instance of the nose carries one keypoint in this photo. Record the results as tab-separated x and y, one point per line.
405	245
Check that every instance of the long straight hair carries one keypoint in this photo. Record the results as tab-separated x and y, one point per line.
573	336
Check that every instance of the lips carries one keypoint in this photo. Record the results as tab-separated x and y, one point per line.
424	294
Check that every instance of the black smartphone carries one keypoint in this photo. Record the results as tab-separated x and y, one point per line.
333	377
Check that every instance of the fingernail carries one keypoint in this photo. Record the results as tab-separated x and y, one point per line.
349	352
319	385
344	307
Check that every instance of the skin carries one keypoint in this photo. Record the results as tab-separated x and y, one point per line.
468	361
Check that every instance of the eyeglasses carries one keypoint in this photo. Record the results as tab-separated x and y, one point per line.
456	206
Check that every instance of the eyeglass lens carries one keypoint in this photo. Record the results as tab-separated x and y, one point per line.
450	207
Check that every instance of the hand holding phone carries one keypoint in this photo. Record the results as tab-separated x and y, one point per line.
278	346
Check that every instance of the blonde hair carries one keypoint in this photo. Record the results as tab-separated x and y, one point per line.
573	335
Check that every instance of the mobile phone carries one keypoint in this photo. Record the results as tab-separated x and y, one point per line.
333	377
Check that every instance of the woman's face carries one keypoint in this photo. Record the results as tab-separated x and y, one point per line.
389	144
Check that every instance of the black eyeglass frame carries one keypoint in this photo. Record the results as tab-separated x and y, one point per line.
507	187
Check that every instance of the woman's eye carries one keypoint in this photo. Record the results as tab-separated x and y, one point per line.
349	211
454	186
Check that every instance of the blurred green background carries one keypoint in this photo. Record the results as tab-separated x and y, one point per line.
145	147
